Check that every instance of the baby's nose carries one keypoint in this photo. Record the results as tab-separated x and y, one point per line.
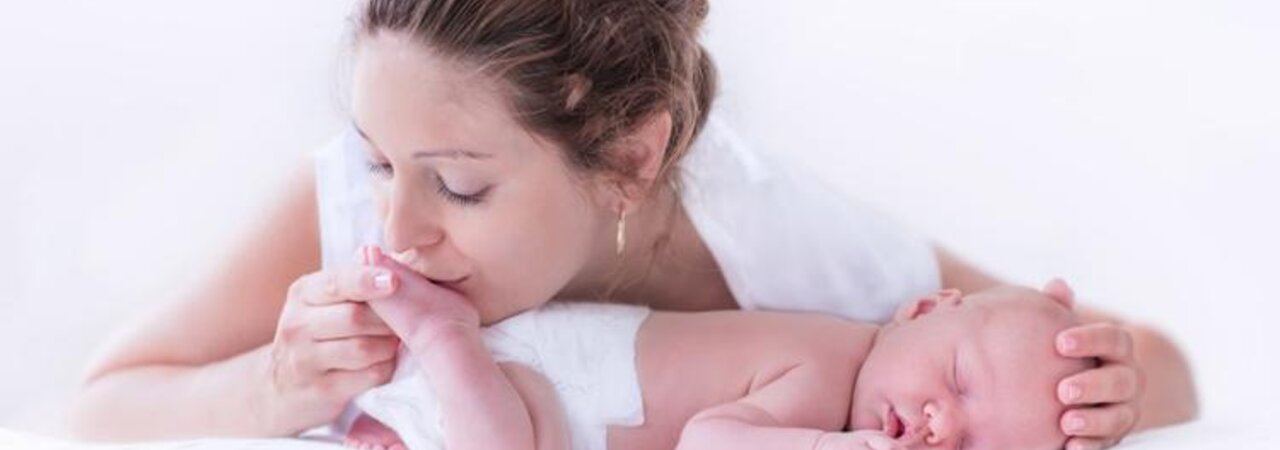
942	425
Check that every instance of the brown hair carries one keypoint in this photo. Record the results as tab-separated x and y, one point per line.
583	73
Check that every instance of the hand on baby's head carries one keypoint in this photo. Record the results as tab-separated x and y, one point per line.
975	371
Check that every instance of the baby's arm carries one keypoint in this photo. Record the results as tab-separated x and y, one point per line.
792	411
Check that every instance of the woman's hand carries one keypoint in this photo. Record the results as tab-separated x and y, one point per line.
329	345
1103	401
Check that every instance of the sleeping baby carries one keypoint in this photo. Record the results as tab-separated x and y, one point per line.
950	371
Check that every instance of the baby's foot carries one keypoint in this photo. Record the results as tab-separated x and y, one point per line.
368	433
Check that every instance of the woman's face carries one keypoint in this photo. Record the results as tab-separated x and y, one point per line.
489	209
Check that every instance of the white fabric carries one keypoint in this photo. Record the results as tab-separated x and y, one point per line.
344	200
786	241
1211	433
585	350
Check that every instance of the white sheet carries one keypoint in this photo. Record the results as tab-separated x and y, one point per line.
19	440
1209	434
1214	434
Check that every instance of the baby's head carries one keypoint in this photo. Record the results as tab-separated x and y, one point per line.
977	371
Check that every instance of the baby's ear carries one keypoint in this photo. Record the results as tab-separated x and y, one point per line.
925	305
1058	290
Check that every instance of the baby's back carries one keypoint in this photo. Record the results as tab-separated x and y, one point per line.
688	362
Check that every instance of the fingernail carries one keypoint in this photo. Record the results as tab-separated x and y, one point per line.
1067	344
382	281
1075	424
1072	392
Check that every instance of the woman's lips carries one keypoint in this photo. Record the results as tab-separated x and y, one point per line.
410	259
454	285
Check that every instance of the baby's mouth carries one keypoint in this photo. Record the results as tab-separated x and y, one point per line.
901	429
894	427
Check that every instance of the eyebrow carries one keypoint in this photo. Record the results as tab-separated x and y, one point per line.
425	154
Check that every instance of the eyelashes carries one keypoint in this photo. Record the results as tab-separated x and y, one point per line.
378	170
460	199
383	171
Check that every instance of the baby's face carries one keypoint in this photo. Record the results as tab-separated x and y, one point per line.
975	372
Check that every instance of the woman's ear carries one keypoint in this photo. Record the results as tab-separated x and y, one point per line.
642	154
638	156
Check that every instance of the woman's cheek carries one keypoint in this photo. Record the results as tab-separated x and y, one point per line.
510	275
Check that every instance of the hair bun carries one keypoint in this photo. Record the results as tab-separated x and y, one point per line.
691	12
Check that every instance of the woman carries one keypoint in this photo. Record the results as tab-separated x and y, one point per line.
520	151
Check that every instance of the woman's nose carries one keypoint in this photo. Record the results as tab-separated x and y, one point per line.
407	222
942	425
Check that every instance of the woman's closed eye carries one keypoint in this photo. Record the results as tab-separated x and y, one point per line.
384	171
471	199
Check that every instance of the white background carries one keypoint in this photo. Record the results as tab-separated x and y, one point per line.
1130	146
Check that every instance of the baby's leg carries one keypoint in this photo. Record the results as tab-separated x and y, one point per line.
549	423
368	433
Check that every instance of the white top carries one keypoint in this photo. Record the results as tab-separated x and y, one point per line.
783	240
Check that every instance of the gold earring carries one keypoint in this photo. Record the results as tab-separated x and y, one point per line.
622	231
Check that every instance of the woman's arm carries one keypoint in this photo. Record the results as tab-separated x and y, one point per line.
259	349
192	368
959	274
1134	356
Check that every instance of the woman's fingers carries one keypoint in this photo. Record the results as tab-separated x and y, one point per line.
355	283
1108	342
1106	423
348	383
346	320
1104	397
1111	383
1079	443
357	353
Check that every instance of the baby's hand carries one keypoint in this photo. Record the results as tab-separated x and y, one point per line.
419	310
858	440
